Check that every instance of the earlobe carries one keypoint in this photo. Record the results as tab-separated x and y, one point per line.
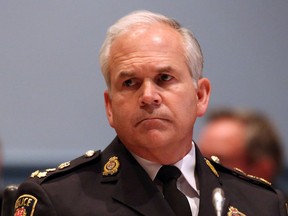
108	107
203	96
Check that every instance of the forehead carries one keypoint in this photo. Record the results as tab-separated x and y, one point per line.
226	127
144	36
147	43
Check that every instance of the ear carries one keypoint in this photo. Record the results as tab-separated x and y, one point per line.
108	107
203	96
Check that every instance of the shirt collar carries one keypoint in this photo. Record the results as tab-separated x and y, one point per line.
186	165
150	167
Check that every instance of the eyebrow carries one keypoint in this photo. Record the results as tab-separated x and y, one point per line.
126	74
164	69
129	74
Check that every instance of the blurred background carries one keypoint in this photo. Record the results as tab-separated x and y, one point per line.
51	87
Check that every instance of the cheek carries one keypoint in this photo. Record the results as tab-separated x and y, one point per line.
189	102
190	112
185	108
121	113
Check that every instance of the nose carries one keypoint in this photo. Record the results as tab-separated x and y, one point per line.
149	94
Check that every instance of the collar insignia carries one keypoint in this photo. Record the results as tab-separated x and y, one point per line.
212	167
111	167
234	212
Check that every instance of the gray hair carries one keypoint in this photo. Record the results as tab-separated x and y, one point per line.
191	46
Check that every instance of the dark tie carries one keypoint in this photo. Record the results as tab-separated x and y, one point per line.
168	175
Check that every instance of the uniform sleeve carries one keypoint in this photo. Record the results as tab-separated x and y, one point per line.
32	200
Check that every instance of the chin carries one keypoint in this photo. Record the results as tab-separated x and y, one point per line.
157	136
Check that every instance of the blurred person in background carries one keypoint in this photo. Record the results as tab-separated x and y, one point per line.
243	139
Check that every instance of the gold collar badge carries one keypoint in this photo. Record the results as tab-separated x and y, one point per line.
234	212
112	166
212	167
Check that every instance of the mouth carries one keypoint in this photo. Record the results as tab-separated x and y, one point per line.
151	121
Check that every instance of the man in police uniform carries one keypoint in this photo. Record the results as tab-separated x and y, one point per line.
153	70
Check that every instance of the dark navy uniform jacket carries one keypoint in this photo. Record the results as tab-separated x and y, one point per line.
92	185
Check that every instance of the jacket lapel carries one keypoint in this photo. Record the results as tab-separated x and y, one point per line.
208	181
134	188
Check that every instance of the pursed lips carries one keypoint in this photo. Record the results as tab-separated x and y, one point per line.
150	119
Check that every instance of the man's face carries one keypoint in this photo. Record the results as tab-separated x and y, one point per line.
153	103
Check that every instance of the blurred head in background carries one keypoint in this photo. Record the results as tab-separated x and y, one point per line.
243	139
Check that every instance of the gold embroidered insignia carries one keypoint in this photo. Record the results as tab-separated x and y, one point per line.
112	166
212	167
25	205
34	174
265	181
89	153
42	174
50	170
234	212
260	179
240	171
64	165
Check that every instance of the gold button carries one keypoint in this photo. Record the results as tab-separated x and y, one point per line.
215	159
89	153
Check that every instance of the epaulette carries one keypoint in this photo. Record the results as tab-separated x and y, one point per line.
41	176
240	174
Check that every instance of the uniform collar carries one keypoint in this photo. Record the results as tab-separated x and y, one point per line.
186	165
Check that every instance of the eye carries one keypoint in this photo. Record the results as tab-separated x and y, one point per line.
165	77
129	83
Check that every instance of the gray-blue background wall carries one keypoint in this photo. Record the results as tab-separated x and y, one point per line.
51	88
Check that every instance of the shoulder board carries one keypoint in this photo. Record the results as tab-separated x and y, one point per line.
242	175
41	176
